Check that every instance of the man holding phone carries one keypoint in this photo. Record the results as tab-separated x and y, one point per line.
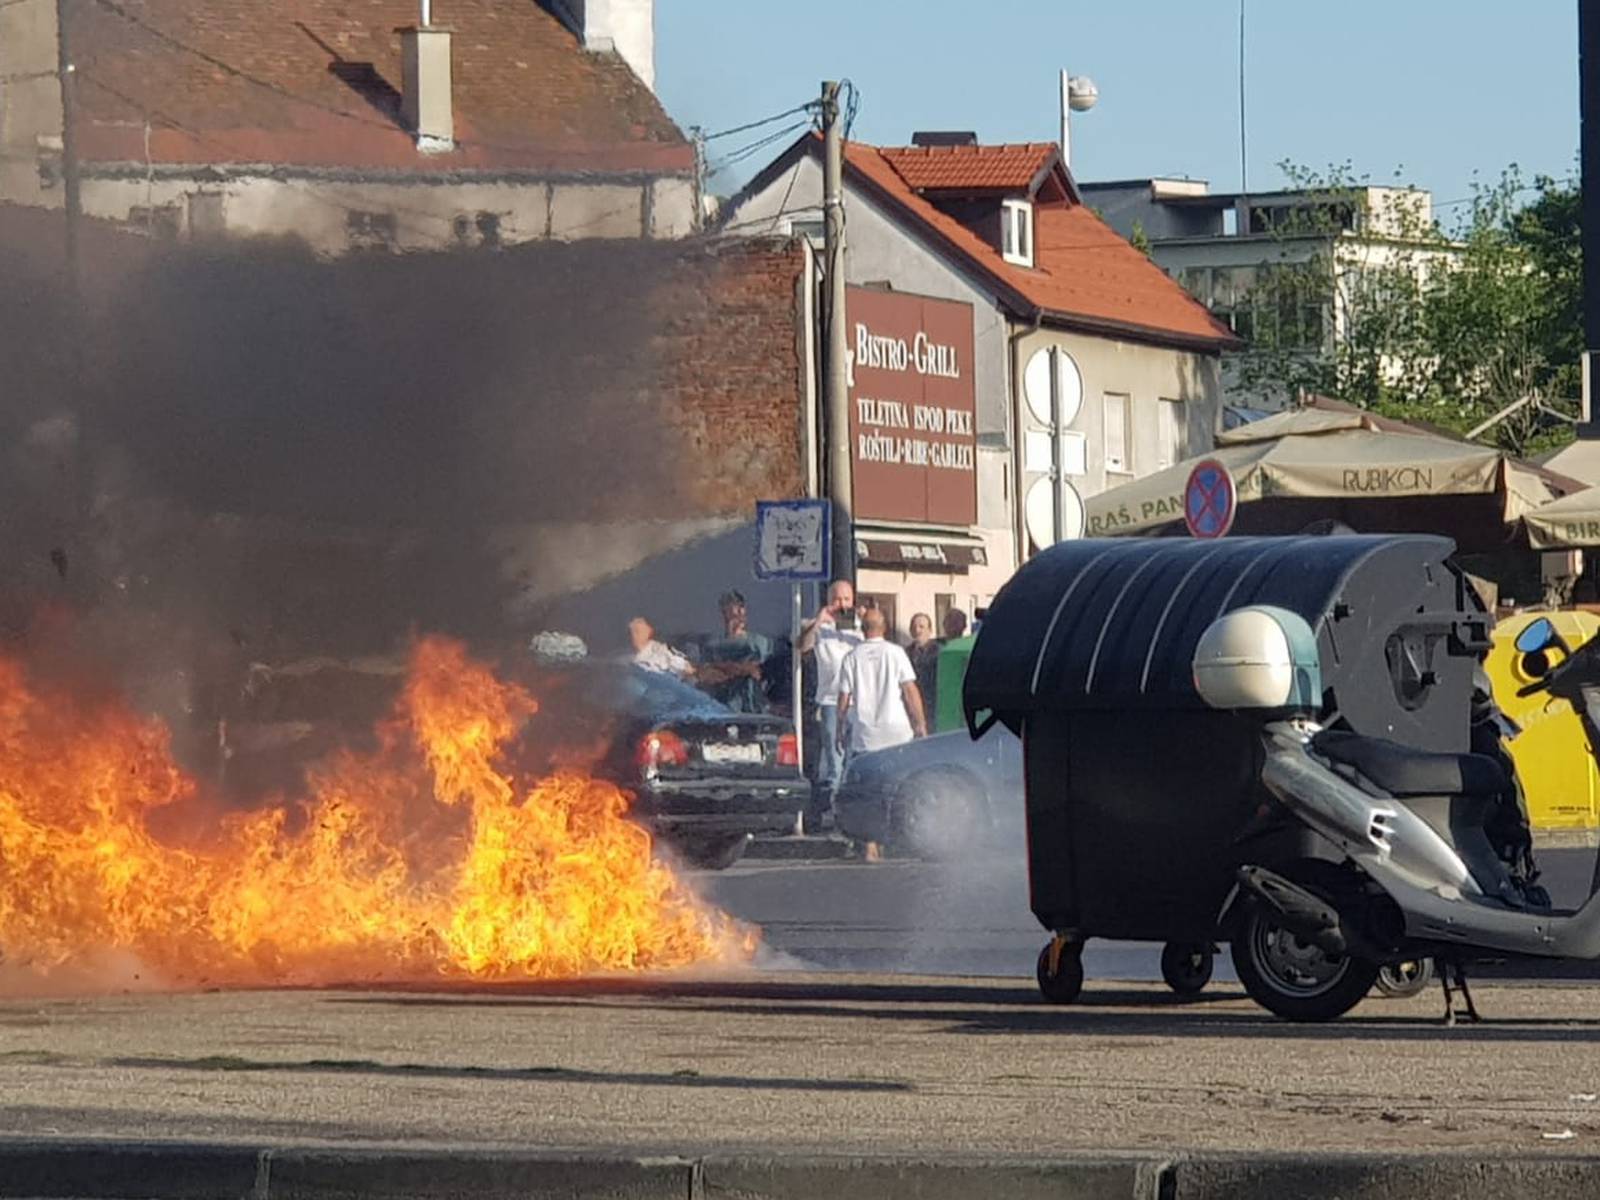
830	635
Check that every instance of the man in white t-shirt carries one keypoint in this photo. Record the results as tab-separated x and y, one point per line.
829	637
879	704
656	656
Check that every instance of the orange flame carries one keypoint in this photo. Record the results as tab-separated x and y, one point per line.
423	860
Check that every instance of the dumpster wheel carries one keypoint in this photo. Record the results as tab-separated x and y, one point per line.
1060	970
1186	966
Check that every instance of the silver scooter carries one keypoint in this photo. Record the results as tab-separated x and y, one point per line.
1423	873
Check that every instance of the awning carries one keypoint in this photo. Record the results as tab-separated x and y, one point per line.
1337	455
919	552
1570	521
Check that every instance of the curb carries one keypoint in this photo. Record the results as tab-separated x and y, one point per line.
798	848
66	1170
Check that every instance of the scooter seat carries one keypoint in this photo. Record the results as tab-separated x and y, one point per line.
1402	771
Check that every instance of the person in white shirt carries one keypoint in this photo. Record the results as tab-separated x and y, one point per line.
879	704
829	637
653	655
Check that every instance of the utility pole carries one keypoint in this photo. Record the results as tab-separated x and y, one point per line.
70	184
836	373
1589	191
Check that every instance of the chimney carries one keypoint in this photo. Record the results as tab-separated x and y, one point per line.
425	103
623	27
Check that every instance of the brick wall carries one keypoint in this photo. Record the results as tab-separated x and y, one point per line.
412	405
731	378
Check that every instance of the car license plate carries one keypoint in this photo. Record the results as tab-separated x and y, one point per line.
714	752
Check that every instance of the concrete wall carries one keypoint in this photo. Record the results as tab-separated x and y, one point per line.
424	214
624	27
881	251
1129	206
1147	375
30	100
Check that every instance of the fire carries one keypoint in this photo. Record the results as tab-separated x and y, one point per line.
427	859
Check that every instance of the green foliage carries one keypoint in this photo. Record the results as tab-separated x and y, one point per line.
1139	239
1447	326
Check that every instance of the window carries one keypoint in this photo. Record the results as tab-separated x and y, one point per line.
482	229
206	219
884	602
1119	457
812	229
161	220
370	230
1171	429
1016	232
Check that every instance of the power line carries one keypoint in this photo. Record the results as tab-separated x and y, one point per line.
808	106
750	151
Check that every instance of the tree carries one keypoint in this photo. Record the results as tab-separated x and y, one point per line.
1368	298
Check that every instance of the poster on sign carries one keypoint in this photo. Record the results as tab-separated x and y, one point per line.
1210	500
913	408
792	540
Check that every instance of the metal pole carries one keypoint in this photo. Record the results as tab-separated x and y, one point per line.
836	378
71	190
1058	466
1589	191
797	679
1066	128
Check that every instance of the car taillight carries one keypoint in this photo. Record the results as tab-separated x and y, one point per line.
663	748
788	751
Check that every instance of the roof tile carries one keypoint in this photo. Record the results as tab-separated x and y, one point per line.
969	168
1084	270
316	83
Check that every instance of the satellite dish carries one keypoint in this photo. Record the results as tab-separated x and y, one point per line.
1036	385
1081	93
1040	515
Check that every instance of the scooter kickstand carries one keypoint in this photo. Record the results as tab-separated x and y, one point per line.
1469	1013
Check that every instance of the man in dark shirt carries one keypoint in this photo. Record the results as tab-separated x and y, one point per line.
731	669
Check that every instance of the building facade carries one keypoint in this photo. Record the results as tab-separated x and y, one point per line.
1087	364
1283	268
349	127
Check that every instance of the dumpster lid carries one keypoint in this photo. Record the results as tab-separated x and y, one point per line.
1108	623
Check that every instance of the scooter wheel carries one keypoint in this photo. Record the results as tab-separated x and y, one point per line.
1186	966
1293	978
1062	984
1400	980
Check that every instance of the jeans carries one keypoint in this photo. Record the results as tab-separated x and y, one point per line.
830	762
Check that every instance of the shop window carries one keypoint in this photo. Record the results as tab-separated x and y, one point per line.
1119	451
1171	432
1016	232
885	602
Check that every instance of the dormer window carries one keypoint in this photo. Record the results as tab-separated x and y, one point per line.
1016	232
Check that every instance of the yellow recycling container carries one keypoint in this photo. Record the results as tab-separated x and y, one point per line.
1558	773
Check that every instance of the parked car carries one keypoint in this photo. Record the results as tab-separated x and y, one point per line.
705	779
938	797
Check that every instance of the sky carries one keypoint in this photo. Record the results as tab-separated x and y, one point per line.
1434	93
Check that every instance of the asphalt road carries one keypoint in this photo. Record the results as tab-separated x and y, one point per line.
969	919
838	1064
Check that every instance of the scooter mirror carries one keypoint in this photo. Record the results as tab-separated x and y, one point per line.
1536	636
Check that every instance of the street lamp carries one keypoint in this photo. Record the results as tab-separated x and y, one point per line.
1078	94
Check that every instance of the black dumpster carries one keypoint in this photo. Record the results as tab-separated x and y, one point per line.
1138	793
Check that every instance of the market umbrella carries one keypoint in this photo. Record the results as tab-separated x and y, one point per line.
1329	460
1573	520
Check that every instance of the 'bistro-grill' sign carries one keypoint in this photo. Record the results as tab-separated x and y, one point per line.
913	440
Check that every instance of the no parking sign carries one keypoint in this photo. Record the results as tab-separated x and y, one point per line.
1209	500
